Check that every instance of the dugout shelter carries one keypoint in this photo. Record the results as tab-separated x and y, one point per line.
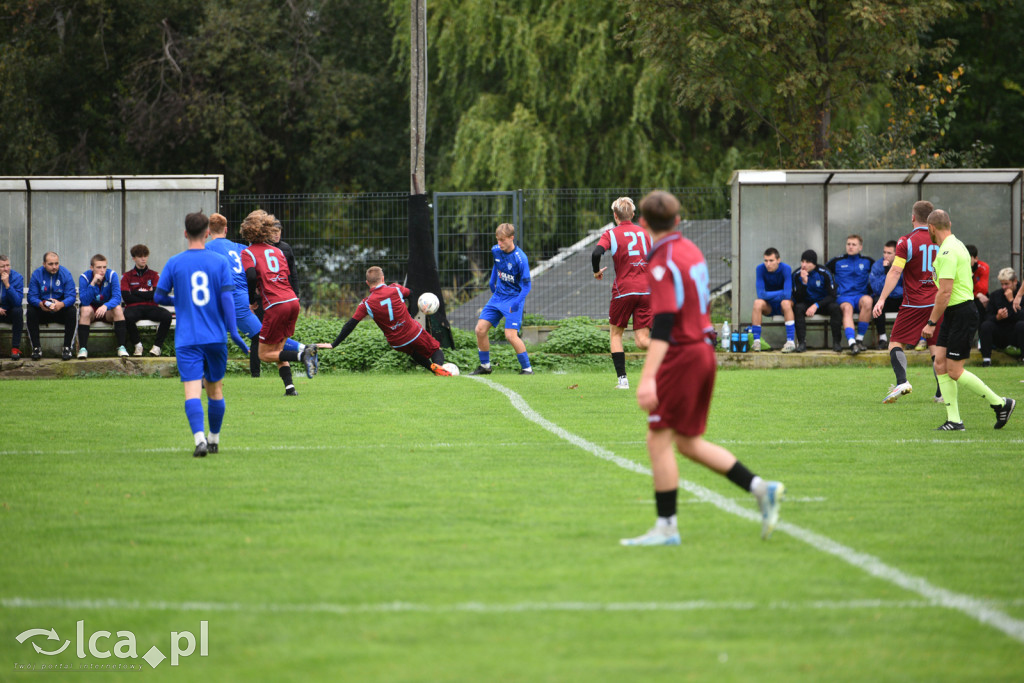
817	209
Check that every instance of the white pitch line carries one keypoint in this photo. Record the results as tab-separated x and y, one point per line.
473	607
975	608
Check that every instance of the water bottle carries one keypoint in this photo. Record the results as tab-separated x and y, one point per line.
726	335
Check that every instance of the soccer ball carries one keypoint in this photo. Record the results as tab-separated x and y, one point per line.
452	368
428	303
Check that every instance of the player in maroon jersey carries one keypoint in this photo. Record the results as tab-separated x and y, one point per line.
679	375
386	306
915	253
629	244
266	271
138	287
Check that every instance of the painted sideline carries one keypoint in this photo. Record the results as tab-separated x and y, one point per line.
980	610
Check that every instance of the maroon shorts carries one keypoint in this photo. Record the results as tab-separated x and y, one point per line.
423	345
909	323
621	308
279	322
685	382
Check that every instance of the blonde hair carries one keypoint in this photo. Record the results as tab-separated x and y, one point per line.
256	226
218	224
505	230
1005	275
623	208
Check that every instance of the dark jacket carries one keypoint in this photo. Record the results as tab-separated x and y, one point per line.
820	288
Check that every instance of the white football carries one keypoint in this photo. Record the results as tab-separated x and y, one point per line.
428	303
452	368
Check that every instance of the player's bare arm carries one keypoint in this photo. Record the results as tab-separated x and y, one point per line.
891	279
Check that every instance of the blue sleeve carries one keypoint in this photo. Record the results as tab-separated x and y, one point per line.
115	290
494	278
762	293
86	292
787	282
524	289
33	290
164	286
69	298
877	277
17	291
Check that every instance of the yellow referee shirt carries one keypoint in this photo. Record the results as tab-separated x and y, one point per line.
954	263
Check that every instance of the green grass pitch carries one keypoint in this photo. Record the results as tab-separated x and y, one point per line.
402	527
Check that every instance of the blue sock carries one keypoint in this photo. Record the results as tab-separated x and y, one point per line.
791	330
756	329
524	360
862	329
215	406
291	345
194	413
485	357
849	334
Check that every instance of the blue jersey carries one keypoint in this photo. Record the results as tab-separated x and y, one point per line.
197	277
852	274
233	253
510	278
774	287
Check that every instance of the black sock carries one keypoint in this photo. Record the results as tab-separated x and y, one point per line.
740	476
83	336
420	360
286	375
898	360
254	356
289	356
437	357
619	359
120	331
665	502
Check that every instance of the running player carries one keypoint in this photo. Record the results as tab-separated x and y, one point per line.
201	287
510	283
266	268
679	375
955	300
386	307
915	252
248	323
629	244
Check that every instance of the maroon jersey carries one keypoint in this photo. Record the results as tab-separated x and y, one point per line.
386	306
918	251
629	244
134	282
272	267
678	277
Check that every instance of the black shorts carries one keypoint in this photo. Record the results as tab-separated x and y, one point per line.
959	323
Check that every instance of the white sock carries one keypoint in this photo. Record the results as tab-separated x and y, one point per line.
758	486
665	522
486	365
213	438
302	347
200	438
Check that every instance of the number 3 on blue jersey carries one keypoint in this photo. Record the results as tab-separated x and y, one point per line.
699	275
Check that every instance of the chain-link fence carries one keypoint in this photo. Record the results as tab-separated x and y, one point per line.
336	237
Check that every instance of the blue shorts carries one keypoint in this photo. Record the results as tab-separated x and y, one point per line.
496	309
248	323
209	361
852	300
776	307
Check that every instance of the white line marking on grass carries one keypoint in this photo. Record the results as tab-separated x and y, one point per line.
476	607
976	608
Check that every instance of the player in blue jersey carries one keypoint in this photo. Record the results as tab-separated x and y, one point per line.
248	323
201	284
510	283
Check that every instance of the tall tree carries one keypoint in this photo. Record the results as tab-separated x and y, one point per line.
786	66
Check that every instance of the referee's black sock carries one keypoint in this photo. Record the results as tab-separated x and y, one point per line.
286	375
619	359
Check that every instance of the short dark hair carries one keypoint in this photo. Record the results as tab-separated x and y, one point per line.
972	250
97	257
772	251
196	223
922	210
660	209
891	243
139	250
3	257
